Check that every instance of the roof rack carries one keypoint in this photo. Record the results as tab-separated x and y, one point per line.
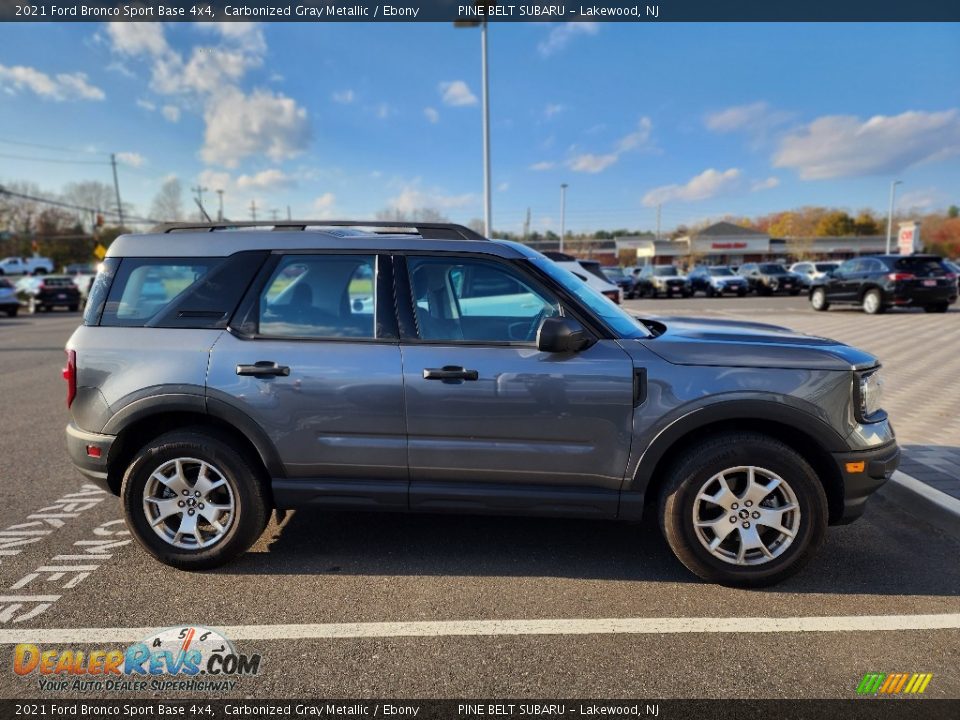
428	230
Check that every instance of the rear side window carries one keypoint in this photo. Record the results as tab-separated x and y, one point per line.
174	292
320	296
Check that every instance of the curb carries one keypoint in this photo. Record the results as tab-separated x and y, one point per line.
923	501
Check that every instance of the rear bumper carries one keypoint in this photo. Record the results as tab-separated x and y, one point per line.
79	443
863	473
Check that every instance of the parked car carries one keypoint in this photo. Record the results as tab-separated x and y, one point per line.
656	280
48	292
83	275
26	266
619	277
879	282
589	271
770	278
716	280
254	388
809	271
9	303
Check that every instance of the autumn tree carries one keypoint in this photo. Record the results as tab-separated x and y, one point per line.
835	224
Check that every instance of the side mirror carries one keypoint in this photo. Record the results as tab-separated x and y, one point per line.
562	335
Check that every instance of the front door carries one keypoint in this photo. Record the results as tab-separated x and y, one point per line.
315	367
494	424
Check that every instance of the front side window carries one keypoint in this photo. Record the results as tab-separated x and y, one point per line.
320	296
474	300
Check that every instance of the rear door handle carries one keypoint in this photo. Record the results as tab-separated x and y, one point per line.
264	368
450	372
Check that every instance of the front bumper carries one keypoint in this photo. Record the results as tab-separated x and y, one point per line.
863	472
79	444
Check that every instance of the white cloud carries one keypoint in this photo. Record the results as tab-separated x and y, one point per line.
344	97
384	110
323	206
137	38
215	180
923	199
412	197
503	187
431	114
553	109
590	163
737	117
60	87
265	180
543	165
131	158
561	35
844	146
146	105
240	125
171	113
767	184
707	184
595	163
457	93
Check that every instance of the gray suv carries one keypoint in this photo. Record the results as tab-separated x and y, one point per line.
225	371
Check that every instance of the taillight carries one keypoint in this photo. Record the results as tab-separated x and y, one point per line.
613	295
70	375
900	276
951	276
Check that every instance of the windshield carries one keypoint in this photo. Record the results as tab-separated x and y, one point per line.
616	319
721	272
772	268
665	271
826	267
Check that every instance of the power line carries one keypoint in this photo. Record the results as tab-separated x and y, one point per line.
51	147
70	206
54	160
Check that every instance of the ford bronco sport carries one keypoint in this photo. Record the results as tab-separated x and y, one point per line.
223	371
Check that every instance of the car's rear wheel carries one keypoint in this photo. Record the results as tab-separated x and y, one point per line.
194	501
873	302
12	312
74	307
743	509
818	300
937	307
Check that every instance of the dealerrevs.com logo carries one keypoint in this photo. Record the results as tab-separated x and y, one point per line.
894	683
186	658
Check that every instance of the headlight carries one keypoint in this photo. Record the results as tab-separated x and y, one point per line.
869	393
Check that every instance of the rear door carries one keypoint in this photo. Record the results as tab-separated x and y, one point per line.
314	362
494	423
844	285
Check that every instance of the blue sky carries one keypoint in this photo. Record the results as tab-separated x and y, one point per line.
348	119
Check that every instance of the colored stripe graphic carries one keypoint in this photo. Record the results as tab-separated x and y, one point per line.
894	683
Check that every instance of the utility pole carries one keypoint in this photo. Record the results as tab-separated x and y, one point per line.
893	191
658	221
199	190
253	210
116	187
526	226
220	210
563	213
288	213
273	214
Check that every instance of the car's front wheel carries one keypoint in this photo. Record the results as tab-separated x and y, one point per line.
194	501
743	509
818	300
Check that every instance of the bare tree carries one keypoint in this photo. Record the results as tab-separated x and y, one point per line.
168	202
394	214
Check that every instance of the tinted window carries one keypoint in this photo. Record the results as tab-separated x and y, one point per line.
921	267
476	301
320	296
665	271
826	267
772	268
146	286
720	272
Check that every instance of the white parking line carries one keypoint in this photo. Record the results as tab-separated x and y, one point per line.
448	628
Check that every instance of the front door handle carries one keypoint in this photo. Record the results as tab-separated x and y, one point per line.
449	372
264	368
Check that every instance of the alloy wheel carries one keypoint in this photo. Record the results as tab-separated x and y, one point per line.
189	503
746	515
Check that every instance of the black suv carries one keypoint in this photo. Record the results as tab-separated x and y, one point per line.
882	281
770	278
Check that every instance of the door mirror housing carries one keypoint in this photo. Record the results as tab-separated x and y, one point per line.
563	335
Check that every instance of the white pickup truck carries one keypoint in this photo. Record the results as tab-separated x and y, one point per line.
26	266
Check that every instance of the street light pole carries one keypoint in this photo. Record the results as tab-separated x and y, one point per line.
893	190
487	222
563	213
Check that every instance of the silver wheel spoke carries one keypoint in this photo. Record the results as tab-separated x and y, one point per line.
165	508
723	497
205	483
750	540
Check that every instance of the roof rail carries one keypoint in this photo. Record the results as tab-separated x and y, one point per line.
427	230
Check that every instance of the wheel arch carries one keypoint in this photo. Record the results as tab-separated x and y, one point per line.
810	437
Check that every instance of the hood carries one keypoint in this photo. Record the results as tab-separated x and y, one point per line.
668	277
727	343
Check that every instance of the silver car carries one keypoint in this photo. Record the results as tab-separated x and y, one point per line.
220	375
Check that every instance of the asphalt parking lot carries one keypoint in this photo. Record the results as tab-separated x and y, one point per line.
332	574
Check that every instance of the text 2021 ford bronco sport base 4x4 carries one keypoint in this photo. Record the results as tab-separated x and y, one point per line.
222	371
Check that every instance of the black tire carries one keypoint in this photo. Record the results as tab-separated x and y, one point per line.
12	312
936	308
243	474
741	292
794	292
818	300
872	302
699	464
74	308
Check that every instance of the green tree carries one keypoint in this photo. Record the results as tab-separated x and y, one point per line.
836	223
866	224
953	211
